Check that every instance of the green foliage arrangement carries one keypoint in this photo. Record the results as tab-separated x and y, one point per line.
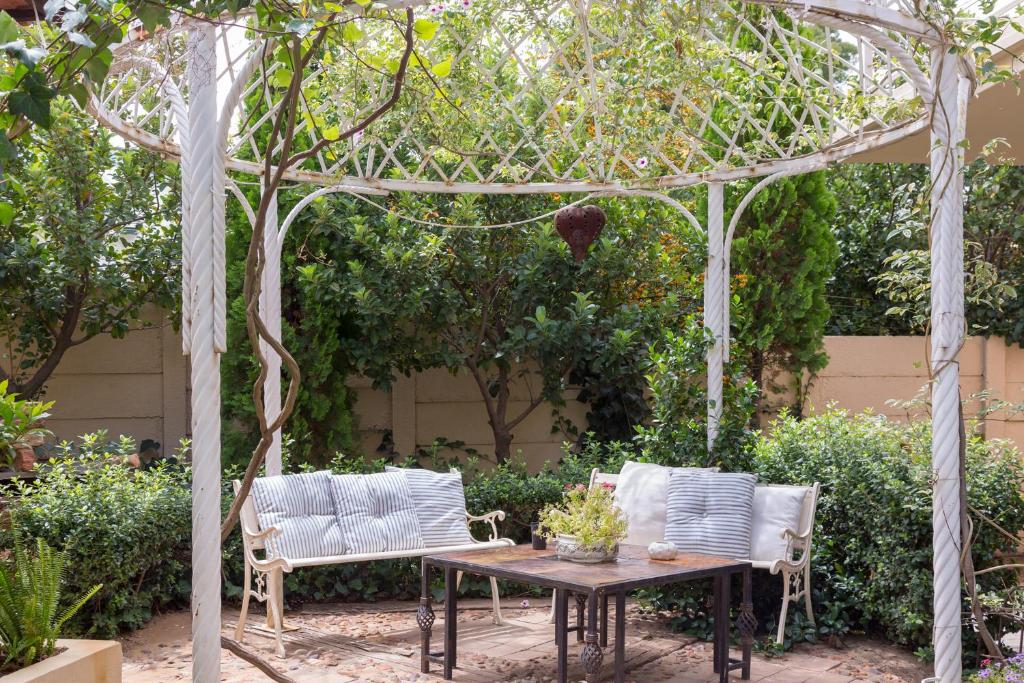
588	515
31	591
677	431
881	284
129	530
20	424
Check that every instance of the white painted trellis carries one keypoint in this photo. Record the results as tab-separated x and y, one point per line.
566	96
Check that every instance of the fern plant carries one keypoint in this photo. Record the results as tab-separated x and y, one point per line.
30	595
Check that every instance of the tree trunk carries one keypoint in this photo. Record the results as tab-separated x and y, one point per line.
502	443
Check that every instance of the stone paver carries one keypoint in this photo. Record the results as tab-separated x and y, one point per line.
380	643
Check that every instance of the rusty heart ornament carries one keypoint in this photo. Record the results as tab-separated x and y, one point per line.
579	226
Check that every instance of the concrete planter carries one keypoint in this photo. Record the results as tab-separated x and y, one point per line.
82	661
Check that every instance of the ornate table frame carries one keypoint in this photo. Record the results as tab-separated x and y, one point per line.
592	586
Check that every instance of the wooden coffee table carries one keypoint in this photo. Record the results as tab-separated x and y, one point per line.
592	584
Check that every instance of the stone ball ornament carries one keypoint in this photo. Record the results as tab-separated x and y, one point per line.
663	550
579	226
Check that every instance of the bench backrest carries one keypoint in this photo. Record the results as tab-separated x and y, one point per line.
807	511
248	517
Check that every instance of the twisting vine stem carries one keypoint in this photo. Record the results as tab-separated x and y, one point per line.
281	137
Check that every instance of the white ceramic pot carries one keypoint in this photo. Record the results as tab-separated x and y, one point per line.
568	548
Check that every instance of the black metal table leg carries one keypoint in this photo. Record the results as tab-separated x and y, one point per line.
747	622
562	634
425	617
620	637
716	601
722	628
450	620
581	603
604	619
590	655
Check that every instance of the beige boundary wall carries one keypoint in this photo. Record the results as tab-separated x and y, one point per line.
137	386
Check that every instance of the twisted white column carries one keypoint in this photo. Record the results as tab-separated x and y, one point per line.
947	323
715	292
202	118
270	312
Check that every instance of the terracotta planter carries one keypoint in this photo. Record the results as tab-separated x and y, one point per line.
24	459
82	661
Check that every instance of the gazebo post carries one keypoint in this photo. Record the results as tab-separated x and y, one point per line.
205	359
947	324
715	296
270	312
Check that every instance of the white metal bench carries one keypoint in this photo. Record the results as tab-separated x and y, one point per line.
794	564
263	575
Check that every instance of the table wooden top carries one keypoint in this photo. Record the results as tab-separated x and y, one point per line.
633	569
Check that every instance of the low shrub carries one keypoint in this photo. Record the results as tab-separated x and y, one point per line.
128	530
873	543
872	564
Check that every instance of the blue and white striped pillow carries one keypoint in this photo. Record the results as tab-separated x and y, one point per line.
440	505
710	513
301	508
376	512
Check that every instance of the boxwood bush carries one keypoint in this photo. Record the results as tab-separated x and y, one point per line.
128	530
873	544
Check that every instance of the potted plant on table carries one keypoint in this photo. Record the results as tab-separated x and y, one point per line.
21	429
587	527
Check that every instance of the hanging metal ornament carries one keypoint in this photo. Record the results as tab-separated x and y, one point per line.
579	226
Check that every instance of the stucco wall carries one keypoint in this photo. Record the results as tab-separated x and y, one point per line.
137	386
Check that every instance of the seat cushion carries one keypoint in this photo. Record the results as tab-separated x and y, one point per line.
440	505
711	513
376	512
776	508
641	492
301	508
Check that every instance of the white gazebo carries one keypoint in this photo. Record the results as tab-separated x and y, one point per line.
594	97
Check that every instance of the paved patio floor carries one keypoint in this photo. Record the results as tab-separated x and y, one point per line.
380	643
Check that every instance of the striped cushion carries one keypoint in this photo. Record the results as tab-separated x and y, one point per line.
711	512
301	508
440	505
376	512
641	492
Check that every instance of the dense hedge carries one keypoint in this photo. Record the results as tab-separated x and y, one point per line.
872	562
873	545
130	531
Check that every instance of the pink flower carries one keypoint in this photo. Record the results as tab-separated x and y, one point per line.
466	4
437	9
581	487
357	136
641	163
568	487
608	486
525	604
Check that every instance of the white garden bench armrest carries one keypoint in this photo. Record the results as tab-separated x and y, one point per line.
489	518
251	537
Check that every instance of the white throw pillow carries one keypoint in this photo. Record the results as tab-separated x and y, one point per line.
642	493
710	512
775	508
376	512
440	505
300	507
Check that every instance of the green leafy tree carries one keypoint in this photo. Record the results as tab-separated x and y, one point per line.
784	254
510	306
89	239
